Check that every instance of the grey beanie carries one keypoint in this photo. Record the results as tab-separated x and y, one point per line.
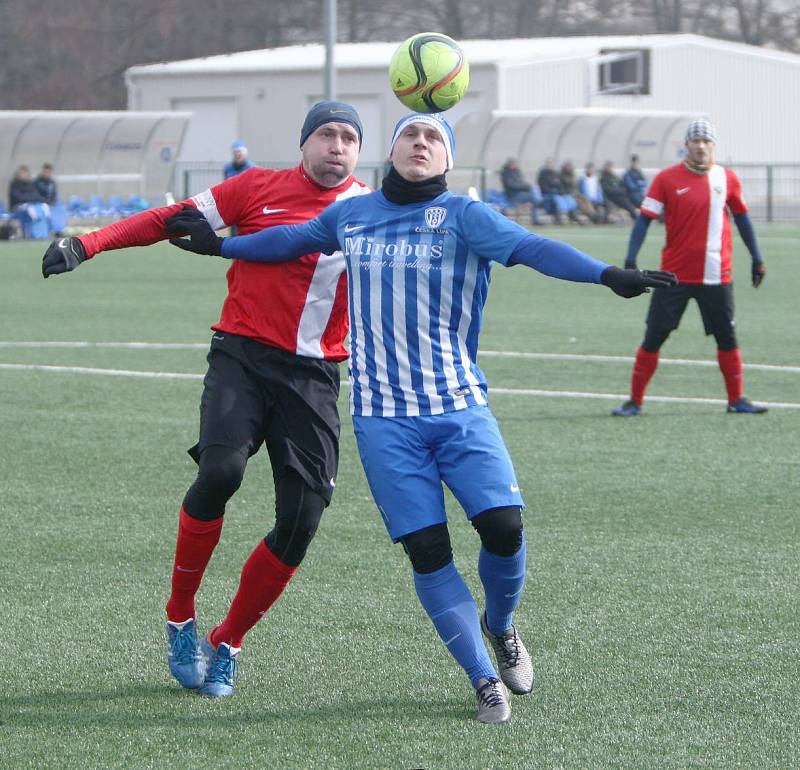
330	112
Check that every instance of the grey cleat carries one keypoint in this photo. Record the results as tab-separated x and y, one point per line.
493	708
513	660
629	409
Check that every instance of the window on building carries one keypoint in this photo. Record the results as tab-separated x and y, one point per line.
623	71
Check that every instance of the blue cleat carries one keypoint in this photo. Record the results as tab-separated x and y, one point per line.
745	406
221	669
628	409
186	662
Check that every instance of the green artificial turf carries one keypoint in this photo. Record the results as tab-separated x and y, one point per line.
661	601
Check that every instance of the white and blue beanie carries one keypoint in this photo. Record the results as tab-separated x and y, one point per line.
701	129
437	121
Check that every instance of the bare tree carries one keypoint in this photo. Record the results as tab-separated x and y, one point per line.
74	55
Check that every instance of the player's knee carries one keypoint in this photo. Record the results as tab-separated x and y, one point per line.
428	549
500	530
654	339
222	470
726	341
219	475
298	512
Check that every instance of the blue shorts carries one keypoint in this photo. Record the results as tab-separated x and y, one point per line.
406	459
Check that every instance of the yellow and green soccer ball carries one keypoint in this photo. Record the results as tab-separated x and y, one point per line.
429	72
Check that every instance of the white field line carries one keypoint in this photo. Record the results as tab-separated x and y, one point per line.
483	353
621	397
625	359
493	391
103	372
112	345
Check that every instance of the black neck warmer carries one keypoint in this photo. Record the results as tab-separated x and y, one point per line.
398	190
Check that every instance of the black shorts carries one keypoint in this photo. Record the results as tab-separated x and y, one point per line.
254	394
715	302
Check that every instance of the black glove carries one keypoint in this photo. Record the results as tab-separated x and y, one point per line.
632	283
758	271
62	255
630	264
203	239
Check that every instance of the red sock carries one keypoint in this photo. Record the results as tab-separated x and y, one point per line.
264	576
730	364
643	369
196	542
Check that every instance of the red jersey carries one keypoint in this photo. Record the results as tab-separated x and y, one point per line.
298	306
695	207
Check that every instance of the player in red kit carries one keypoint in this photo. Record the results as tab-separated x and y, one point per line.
273	378
694	198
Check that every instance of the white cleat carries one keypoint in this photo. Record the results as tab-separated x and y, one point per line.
513	661
493	708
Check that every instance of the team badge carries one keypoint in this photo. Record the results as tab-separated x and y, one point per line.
435	215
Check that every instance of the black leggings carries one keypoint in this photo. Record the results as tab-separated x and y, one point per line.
298	509
500	530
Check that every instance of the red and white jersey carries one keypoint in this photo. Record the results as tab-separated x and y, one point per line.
695	207
298	306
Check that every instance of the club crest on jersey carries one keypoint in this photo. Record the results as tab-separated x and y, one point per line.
435	215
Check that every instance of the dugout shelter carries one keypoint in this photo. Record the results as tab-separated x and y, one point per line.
95	153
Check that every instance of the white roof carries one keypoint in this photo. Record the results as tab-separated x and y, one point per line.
479	52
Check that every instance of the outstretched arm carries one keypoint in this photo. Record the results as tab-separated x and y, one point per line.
560	260
142	229
275	244
636	240
745	226
557	259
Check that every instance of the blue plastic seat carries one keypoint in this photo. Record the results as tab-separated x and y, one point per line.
137	203
77	206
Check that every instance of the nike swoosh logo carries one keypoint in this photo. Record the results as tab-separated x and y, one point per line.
352	228
514	487
62	244
183	569
682	190
453	639
268	210
511	596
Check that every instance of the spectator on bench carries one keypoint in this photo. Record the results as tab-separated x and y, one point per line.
26	203
46	185
614	189
634	181
519	190
591	191
556	202
569	187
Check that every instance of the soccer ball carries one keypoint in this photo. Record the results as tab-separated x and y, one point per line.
429	72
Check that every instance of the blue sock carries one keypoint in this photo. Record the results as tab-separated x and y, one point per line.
450	606
503	578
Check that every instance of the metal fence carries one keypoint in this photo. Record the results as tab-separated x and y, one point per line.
772	191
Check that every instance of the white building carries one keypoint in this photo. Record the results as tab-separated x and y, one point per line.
751	93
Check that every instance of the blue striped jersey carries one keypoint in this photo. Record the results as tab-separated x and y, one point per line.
418	278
